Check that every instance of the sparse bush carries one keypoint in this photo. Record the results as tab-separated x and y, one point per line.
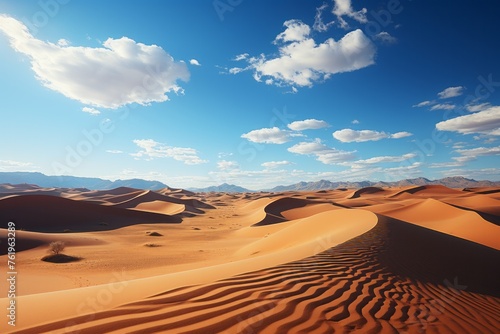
154	234
57	247
152	245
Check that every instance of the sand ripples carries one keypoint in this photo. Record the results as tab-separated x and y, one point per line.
370	284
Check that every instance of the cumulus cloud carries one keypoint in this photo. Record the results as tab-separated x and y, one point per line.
385	37
323	153
308	124
451	92
349	135
91	111
194	62
151	149
443	106
303	62
275	164
120	72
344	8
484	122
268	136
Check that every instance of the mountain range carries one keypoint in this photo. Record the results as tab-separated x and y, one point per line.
64	181
43	180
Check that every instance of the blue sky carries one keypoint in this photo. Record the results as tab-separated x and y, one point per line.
255	93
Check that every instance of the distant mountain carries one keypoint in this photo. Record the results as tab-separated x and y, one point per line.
321	185
450	182
43	180
225	188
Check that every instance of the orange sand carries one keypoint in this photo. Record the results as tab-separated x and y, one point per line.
371	260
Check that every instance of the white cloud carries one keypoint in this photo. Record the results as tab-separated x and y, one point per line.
151	149
478	107
319	25
485	122
384	159
451	92
242	56
322	152
63	42
349	135
344	8
385	37
267	135
119	73
227	165
16	166
443	106
308	124
114	151
303	62
275	164
423	104
401	134
91	111
355	121
194	62
479	151
295	31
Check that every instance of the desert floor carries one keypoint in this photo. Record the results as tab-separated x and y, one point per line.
422	259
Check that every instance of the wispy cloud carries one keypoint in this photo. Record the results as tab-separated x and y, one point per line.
451	92
275	164
151	149
91	111
344	8
385	37
349	135
443	106
423	104
121	72
16	166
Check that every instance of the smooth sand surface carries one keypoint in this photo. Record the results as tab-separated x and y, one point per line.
373	260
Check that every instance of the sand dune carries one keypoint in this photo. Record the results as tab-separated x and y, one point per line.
55	214
445	218
373	260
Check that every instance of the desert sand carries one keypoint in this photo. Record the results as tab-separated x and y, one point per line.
374	260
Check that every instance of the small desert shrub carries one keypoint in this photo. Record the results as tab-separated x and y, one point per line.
152	245
60	258
155	234
57	247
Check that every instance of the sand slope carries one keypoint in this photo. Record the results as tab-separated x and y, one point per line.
372	260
